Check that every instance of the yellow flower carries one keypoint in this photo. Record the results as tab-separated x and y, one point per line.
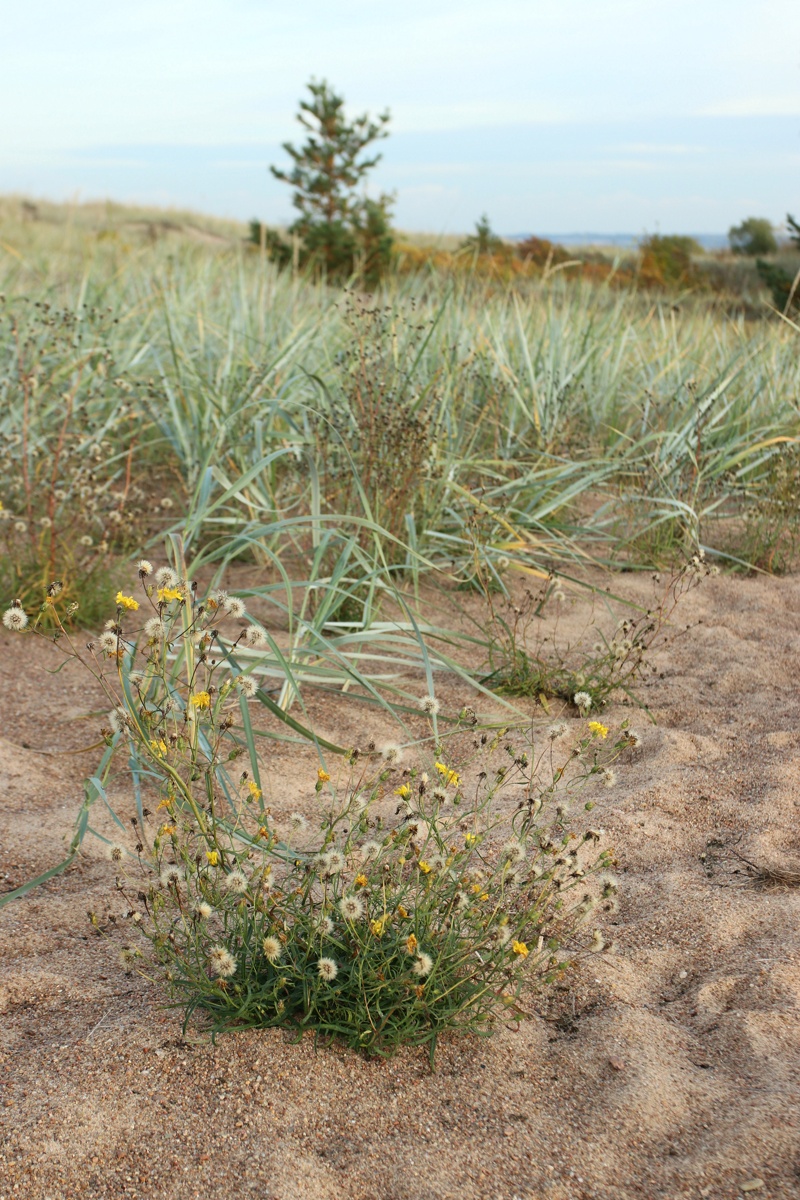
201	700
254	789
127	602
159	747
361	880
165	594
447	774
213	857
470	839
521	949
476	887
377	927
411	943
598	730
322	776
401	912
404	790
424	867
485	896
263	831
167	830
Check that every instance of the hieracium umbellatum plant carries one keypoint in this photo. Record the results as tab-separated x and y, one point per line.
417	889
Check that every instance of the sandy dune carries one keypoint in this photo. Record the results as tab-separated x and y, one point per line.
671	1069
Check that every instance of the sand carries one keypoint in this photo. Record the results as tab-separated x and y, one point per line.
670	1068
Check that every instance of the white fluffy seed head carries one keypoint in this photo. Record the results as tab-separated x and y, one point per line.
327	969
272	948
423	964
256	638
221	962
351	907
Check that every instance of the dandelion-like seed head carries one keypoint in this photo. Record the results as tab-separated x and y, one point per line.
439	795
298	821
236	881
166	577
429	705
203	910
221	962
633	738
351	907
15	618
327	969
116	852
418	831
248	686
85	541
392	753
155	629
127	957
370	851
598	942
557	730
144	567
234	607
608	776
325	926
108	641
333	862
502	934
423	964
582	701
514	851
171	876
272	948
255	638
609	884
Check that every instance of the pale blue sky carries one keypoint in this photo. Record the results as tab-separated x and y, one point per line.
551	115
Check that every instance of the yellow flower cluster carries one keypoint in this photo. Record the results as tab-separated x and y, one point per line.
126	602
598	730
448	775
201	700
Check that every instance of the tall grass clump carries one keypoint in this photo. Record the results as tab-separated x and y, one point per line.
68	496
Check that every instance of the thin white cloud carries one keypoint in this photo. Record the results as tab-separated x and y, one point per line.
784	105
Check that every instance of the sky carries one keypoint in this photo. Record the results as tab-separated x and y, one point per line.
549	115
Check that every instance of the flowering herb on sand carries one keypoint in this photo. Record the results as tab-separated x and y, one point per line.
415	898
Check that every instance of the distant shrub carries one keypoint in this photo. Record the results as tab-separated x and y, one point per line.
542	253
485	241
781	284
667	260
753	237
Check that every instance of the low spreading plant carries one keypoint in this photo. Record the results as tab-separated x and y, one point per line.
422	889
527	656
